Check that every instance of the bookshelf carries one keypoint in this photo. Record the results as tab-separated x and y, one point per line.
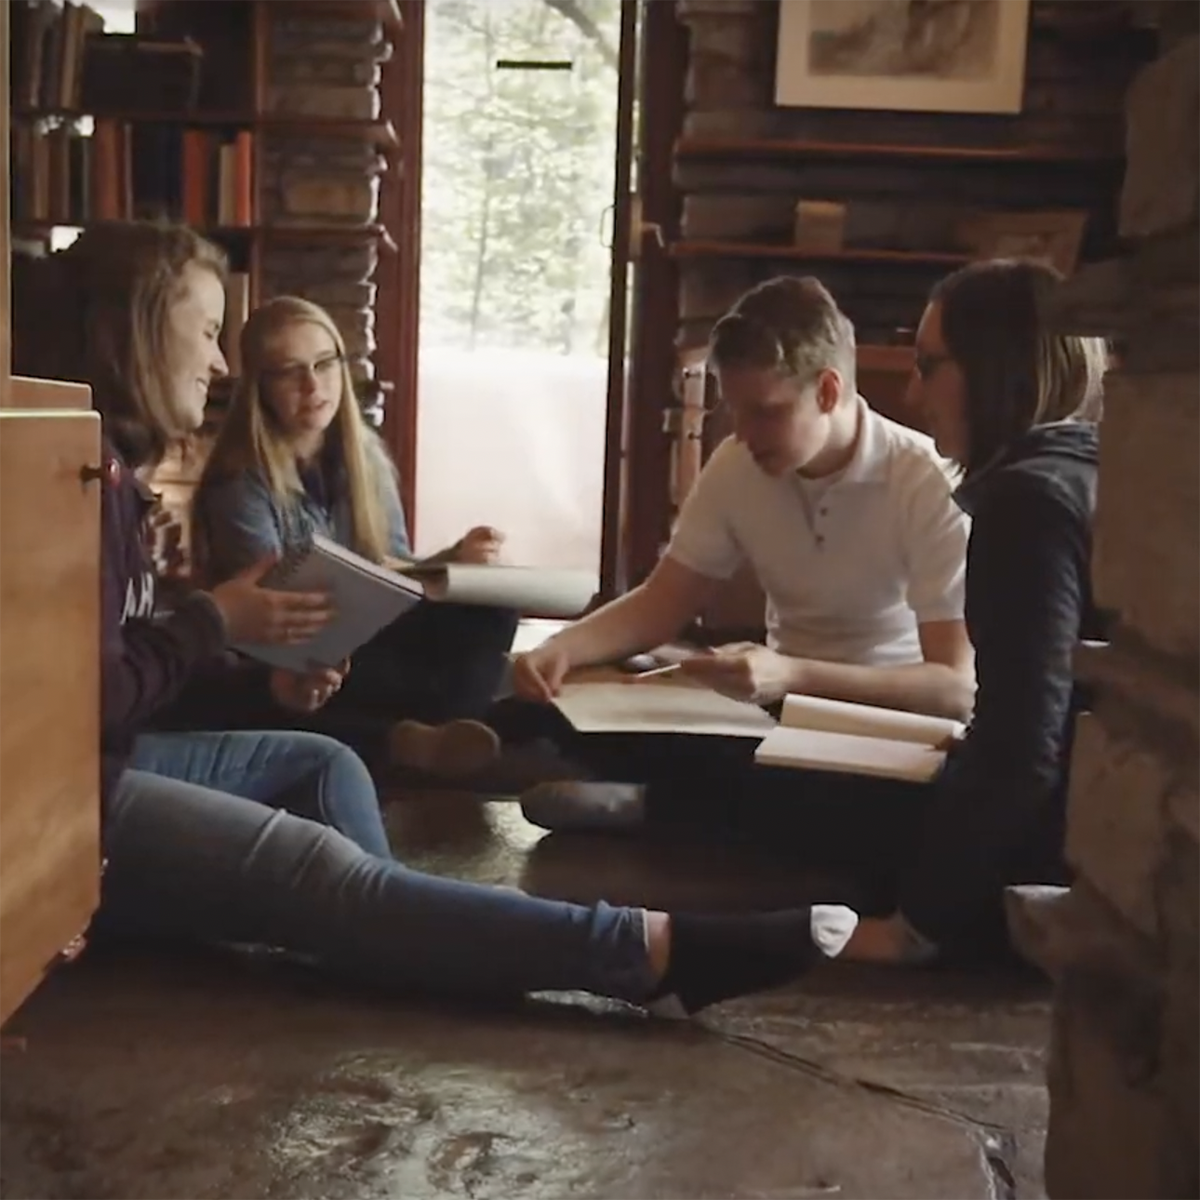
248	159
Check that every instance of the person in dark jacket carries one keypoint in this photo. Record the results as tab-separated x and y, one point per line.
276	837
295	457
1016	405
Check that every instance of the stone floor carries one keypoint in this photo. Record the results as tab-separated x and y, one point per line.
206	1076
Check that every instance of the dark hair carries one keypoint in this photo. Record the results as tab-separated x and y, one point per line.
791	324
97	313
1018	371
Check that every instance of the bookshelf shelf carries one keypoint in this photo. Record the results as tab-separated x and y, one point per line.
326	234
382	133
730	249
781	149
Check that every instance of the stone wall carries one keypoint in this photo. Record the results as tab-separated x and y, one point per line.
1123	942
324	66
1067	141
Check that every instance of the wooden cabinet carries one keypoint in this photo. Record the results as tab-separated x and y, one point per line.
49	679
49	653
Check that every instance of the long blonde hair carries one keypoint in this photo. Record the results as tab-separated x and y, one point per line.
98	312
251	439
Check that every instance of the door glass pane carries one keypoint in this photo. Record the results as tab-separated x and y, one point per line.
517	184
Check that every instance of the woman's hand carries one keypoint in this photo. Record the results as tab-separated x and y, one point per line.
306	692
479	545
258	615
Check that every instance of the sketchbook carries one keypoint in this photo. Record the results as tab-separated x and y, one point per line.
366	598
531	591
632	707
858	739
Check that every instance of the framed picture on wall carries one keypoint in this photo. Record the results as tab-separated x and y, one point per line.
964	56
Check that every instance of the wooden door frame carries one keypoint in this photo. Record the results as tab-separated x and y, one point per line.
641	472
650	383
398	276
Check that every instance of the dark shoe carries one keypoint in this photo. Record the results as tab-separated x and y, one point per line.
583	806
454	750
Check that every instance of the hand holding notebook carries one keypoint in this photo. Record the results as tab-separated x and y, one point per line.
253	611
366	598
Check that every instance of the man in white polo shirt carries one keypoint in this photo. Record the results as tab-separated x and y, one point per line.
846	518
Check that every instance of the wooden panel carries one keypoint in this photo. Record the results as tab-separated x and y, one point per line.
49	691
53	394
5	237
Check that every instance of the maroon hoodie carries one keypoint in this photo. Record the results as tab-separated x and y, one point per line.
155	671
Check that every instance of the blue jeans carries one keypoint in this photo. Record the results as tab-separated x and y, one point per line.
307	775
227	842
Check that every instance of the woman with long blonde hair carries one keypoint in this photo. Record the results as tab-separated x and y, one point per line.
294	456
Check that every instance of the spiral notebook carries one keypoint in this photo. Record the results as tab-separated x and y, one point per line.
366	598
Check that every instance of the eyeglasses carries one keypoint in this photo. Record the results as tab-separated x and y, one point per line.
926	365
296	374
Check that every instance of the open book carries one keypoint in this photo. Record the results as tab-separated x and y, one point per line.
532	591
366	598
858	739
632	707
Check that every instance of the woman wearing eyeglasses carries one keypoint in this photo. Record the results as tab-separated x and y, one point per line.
294	456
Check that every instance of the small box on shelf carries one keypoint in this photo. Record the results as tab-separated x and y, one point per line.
820	226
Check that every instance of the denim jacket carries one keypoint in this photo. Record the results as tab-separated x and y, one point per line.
241	521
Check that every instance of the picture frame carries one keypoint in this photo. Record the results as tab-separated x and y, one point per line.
1052	237
962	56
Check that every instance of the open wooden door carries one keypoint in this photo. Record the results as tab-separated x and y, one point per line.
644	292
49	651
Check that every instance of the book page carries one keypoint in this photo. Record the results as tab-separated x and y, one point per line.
630	707
535	591
533	631
867	720
847	753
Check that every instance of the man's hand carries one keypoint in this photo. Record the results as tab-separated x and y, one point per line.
305	692
538	674
744	671
479	545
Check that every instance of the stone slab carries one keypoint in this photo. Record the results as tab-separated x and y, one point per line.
1162	176
1116	818
1147	525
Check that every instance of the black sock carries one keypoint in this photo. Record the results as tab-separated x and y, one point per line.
715	958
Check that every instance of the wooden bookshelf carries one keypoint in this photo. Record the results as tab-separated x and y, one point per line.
783	251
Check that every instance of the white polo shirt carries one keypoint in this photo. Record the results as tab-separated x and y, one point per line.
850	565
